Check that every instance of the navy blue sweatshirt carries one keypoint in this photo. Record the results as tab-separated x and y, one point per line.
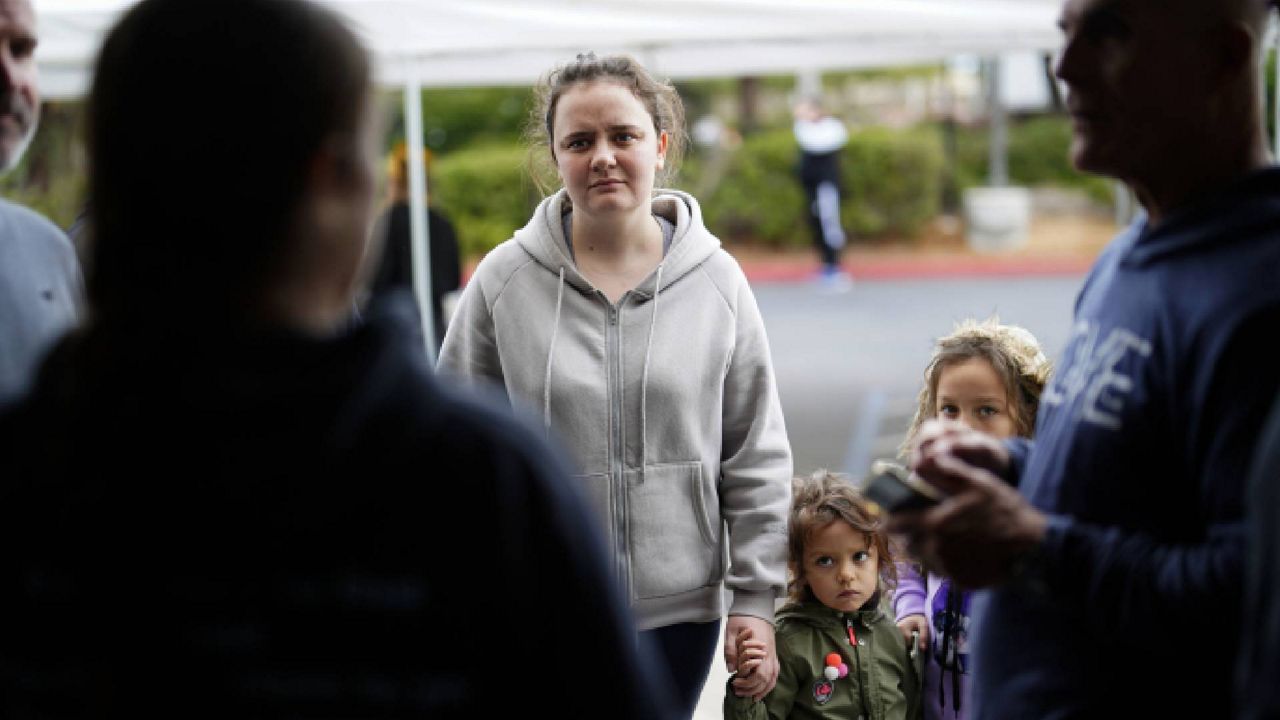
1143	441
1258	667
269	525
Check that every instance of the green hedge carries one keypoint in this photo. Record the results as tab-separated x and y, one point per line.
893	181
486	192
51	179
1039	154
758	196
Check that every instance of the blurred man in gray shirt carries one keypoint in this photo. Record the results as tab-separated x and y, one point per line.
39	276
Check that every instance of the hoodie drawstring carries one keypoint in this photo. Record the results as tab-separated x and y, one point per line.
551	353
644	378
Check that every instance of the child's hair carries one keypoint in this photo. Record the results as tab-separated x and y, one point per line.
819	500
1012	351
659	98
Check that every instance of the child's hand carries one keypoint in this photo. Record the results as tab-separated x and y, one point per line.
752	654
913	624
756	671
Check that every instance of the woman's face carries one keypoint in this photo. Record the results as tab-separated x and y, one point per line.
606	149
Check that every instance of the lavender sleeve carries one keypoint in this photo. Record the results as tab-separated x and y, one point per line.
909	595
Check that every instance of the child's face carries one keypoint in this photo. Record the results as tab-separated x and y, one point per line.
840	567
972	392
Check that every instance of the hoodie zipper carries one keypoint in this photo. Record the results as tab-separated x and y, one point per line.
614	348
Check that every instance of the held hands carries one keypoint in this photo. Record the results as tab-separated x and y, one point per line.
917	625
749	653
984	525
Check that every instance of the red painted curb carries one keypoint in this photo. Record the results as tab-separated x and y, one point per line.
906	268
901	267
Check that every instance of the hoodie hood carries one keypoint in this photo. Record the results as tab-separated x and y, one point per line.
1240	210
543	239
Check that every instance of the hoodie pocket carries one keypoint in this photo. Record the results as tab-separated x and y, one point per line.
673	541
598	495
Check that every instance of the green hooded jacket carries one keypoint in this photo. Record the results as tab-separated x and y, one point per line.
883	681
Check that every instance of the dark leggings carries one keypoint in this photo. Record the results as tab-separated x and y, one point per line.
687	650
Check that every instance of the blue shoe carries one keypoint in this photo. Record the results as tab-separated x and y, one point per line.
835	281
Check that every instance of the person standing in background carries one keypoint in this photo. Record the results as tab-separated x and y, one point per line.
821	137
395	271
40	285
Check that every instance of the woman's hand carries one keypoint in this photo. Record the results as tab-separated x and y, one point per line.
749	651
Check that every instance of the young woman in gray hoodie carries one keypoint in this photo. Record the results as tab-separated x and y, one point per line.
617	316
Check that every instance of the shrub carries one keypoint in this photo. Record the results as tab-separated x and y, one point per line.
486	192
892	184
1038	155
759	196
893	181
51	179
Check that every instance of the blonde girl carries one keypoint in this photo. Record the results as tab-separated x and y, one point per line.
988	376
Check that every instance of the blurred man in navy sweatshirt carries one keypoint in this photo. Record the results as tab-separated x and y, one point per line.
1115	571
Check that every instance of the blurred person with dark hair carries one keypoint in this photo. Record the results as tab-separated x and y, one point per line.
221	499
1116	569
39	276
395	270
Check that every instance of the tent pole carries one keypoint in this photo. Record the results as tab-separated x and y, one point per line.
998	158
1275	26
419	231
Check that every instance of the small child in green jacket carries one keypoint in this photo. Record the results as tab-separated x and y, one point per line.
841	655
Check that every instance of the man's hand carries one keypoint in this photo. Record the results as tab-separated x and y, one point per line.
913	624
948	438
976	534
749	641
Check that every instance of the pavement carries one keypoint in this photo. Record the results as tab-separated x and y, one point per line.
848	365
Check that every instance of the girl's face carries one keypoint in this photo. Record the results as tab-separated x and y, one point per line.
840	568
606	149
972	392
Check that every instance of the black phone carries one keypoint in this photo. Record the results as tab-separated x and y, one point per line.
895	489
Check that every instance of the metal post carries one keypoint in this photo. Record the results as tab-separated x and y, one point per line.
998	155
1124	203
419	232
808	83
1275	26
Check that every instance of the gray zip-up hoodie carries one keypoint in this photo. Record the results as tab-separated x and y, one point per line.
666	400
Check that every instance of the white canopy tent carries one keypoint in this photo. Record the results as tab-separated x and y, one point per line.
509	42
418	43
